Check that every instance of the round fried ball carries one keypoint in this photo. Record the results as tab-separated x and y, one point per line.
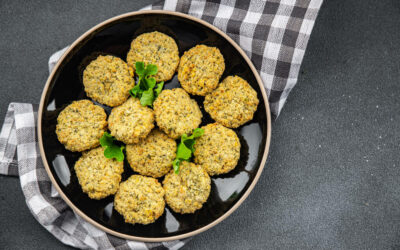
98	176
153	155
176	113
80	125
108	80
217	150
140	200
155	48
187	191
233	103
200	69
131	121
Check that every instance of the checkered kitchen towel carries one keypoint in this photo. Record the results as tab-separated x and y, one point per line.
273	33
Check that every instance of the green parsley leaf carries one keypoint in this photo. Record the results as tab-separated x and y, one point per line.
135	91
111	150
197	132
114	152
106	139
151	70
151	82
140	68
183	152
146	89
189	143
147	98
186	148
176	163
158	89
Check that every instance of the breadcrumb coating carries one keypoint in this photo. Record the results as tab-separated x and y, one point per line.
131	122
107	80
140	200
187	191
200	69
176	113
98	176
80	125
233	103
153	155
217	150
155	48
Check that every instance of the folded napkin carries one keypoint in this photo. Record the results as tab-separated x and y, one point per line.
273	33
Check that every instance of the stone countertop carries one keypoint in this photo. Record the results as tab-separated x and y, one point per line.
332	178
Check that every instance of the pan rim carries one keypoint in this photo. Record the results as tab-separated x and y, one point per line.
179	236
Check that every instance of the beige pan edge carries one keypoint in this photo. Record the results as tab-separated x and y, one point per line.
147	239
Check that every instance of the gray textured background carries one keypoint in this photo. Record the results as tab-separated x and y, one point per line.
332	178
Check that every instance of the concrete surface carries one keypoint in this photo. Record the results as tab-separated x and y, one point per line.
332	178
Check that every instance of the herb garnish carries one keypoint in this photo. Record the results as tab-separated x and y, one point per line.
145	90
111	150
186	148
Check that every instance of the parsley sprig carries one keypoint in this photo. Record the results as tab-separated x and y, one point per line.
147	89
111	149
186	148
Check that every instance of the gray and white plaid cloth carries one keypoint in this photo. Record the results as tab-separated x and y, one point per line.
273	33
